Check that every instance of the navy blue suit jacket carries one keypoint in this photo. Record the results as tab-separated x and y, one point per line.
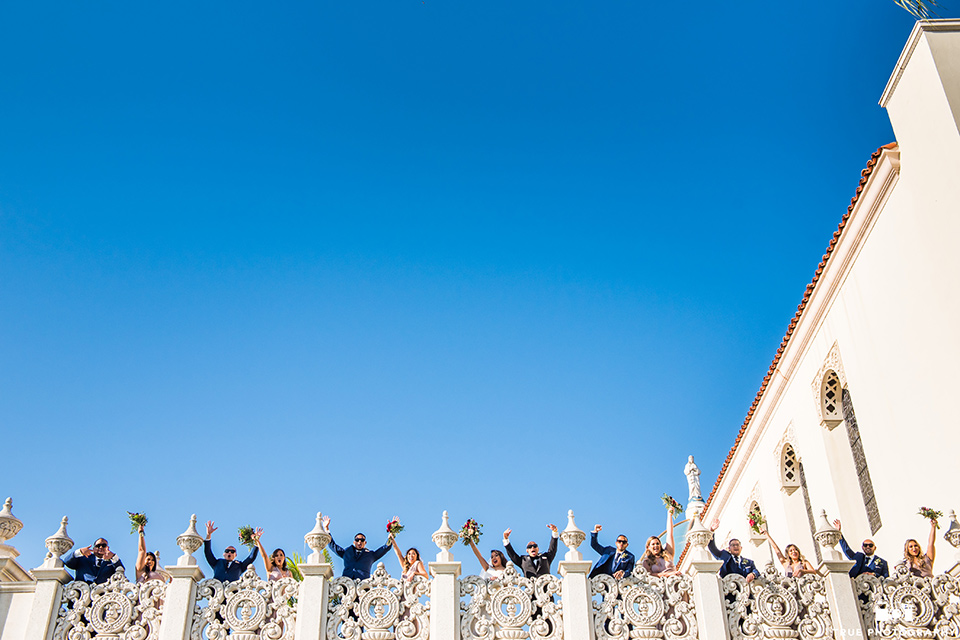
88	571
730	565
880	568
357	562
605	563
227	571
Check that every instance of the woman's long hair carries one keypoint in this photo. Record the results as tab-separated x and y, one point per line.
912	561
650	557
406	565
499	554
273	559
146	565
799	554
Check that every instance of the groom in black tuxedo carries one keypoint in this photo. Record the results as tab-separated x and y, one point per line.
534	563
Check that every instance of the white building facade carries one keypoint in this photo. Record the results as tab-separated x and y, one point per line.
858	415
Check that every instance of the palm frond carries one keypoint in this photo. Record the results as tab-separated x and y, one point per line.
920	9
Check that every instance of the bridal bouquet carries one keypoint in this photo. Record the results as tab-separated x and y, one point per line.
471	531
136	520
755	519
668	502
930	514
245	535
394	527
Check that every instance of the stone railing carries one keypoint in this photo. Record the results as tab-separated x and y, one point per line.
116	609
378	608
511	607
906	606
775	606
644	606
46	604
248	609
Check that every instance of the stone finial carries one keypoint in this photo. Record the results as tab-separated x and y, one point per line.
445	538
573	537
827	536
699	536
317	539
10	525
189	541
57	545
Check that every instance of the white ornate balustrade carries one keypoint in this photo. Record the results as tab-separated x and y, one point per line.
775	606
378	608
906	606
247	609
117	609
46	604
512	607
644	606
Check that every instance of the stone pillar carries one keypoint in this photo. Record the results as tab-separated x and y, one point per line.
315	588
178	602
10	525
577	600
575	588
844	606
952	536
445	591
312	601
181	593
707	594
50	576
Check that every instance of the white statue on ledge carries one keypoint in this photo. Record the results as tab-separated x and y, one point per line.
692	471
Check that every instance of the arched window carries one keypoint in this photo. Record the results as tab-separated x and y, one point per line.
789	469
830	400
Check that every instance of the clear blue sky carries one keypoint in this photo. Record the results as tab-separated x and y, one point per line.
389	258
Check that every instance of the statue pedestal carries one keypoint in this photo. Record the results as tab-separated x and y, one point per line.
693	508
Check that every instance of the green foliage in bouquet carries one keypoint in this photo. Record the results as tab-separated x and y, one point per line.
245	535
136	520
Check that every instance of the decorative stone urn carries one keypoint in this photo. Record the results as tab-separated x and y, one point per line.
57	545
10	526
698	537
573	537
445	538
828	537
952	535
189	541
317	539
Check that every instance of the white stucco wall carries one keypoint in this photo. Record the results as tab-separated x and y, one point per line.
888	298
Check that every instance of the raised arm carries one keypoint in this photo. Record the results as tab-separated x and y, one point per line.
782	558
670	548
263	552
396	550
337	549
514	557
931	542
552	549
208	553
141	552
595	540
476	552
382	551
253	552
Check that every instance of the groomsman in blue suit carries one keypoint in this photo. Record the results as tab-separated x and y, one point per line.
94	565
614	561
227	568
733	562
357	559
866	562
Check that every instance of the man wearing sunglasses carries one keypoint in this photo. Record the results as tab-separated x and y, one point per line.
534	563
357	559
95	564
866	562
227	568
614	561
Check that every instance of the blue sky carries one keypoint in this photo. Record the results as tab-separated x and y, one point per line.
389	258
